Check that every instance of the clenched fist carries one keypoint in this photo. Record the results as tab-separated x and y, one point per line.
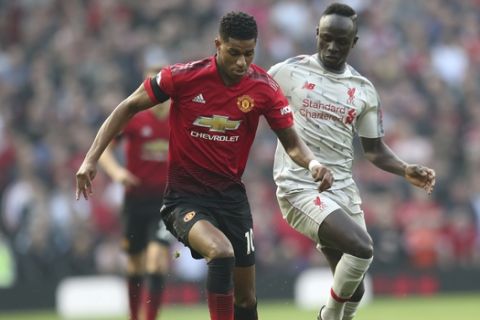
420	176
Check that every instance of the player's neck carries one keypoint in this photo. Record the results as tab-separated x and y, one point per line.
339	70
227	81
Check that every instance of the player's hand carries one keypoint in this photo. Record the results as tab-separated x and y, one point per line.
85	175
420	176
126	178
322	174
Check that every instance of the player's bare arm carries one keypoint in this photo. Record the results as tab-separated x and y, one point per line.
377	152
114	169
137	101
303	156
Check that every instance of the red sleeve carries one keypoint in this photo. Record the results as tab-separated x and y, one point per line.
165	81
148	87
279	116
160	88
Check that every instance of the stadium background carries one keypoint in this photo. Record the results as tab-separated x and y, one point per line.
65	64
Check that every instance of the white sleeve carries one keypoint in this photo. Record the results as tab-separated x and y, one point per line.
274	69
370	123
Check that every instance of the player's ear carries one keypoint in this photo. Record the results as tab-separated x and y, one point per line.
218	43
354	41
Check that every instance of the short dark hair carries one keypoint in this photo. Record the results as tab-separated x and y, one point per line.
238	25
343	10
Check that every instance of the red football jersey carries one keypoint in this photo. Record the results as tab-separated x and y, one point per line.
146	137
213	125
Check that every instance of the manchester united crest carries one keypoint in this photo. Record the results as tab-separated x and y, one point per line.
189	216
245	103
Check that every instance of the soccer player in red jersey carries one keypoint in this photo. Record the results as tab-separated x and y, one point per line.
146	239
215	109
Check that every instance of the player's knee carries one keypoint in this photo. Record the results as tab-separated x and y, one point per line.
363	247
157	261
135	264
365	251
158	266
219	249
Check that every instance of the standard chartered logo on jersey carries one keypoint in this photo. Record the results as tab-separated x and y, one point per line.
216	124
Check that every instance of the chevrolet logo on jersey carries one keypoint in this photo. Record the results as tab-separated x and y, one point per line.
217	123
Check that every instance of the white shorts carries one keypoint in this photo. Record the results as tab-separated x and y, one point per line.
306	210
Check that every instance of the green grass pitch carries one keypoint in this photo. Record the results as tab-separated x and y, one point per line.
442	307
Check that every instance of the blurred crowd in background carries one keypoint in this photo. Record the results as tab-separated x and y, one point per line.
64	65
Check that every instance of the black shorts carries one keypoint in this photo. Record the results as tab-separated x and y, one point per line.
142	223
235	221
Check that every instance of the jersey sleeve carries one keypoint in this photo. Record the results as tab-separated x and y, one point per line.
279	115
160	88
277	73
370	122
274	70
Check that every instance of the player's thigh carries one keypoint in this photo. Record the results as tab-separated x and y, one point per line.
305	211
340	231
136	263
244	286
197	228
209	241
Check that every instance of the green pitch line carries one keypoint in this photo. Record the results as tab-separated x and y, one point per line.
444	307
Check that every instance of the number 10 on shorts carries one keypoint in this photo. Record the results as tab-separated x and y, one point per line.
249	236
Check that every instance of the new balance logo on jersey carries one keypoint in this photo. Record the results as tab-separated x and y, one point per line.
199	99
309	86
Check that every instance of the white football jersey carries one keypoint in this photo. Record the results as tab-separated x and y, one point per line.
329	109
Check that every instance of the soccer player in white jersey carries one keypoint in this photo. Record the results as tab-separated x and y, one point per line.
331	103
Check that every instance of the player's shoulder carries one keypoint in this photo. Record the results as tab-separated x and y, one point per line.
367	86
361	78
302	59
296	60
191	67
261	76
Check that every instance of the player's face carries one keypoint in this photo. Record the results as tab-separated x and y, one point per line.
234	57
336	35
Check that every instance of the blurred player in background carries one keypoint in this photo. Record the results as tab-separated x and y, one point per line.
331	103
146	239
216	106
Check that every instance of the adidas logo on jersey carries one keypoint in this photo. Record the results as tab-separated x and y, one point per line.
199	99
